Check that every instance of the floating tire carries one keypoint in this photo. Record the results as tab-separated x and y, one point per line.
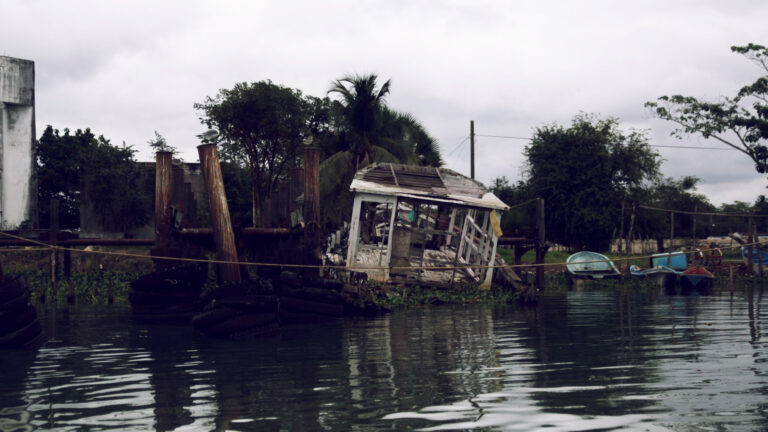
13	288
253	303
315	294
302	317
181	279
241	324
22	336
210	318
241	289
321	308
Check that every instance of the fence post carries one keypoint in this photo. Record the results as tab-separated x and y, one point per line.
221	224
541	229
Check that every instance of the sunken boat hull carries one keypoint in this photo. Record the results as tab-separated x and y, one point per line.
238	311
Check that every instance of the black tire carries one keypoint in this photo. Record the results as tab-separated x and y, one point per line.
252	303
16	305
241	324
184	278
20	337
303	317
315	294
12	288
10	324
210	318
320	308
245	288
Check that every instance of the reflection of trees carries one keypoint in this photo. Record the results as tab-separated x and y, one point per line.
587	346
420	358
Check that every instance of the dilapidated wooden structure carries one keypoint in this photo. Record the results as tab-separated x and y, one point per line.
425	225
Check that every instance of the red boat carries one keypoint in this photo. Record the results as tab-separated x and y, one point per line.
698	278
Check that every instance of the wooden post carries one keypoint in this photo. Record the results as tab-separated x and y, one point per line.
540	227
53	239
163	178
472	148
312	204
223	236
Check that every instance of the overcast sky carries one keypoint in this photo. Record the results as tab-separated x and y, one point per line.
126	69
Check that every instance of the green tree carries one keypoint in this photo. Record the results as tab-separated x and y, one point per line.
82	169
364	130
740	122
159	143
584	173
261	126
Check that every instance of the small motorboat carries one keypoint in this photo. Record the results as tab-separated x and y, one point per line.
591	265
675	260
696	278
660	275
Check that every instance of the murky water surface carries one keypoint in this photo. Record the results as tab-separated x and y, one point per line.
605	360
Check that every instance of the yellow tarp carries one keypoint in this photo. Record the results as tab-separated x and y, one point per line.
495	224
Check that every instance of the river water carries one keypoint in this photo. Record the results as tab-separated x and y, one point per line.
595	360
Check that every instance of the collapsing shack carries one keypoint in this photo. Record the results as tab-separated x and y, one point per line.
424	225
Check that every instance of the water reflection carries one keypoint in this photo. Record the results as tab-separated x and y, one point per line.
614	359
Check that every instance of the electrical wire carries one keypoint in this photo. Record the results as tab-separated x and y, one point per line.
649	145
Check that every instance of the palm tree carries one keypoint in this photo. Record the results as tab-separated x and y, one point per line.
361	104
371	132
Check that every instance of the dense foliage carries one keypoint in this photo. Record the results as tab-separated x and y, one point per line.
584	172
261	126
82	168
740	121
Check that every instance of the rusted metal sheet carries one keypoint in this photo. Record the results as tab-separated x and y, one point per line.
224	238
427	183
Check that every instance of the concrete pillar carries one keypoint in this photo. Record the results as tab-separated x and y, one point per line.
18	191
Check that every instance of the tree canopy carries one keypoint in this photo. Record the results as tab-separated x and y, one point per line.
261	126
584	172
739	121
82	167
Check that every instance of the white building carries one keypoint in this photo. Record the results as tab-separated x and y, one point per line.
422	225
18	191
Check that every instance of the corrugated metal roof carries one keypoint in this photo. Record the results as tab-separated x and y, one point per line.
424	182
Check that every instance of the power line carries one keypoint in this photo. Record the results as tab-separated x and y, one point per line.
649	145
458	146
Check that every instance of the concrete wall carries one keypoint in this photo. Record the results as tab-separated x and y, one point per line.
18	191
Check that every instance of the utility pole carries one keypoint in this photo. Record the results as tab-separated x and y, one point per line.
472	148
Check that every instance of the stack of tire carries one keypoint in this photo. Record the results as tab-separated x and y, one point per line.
243	310
168	296
19	326
309	300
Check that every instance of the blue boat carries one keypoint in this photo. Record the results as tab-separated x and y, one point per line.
591	265
674	260
660	275
757	256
